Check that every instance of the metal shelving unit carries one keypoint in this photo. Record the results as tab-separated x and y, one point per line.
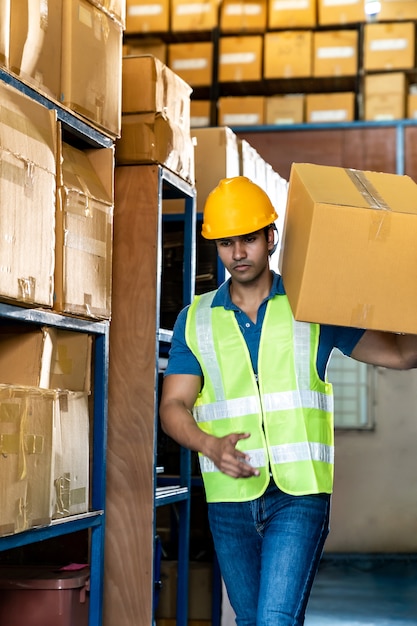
93	521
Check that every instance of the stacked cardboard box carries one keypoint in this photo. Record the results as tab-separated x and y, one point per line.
283	14
28	144
241	16
69	51
156	117
44	427
84	232
288	54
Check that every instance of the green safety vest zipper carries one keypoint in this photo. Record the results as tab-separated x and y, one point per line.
288	409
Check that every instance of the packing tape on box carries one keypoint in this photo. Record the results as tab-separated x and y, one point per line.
381	221
361	315
367	190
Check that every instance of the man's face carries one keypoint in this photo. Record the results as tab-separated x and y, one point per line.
245	256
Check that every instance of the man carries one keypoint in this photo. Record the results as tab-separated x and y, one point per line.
246	387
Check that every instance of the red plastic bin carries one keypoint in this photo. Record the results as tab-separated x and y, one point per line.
41	596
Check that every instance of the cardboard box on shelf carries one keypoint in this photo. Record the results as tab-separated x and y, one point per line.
116	9
91	65
147	16
149	46
152	138
335	53
84	232
288	54
385	96
188	15
70	456
240	58
348	255
397	10
150	86
35	44
26	468
45	357
4	32
200	591
286	109
241	110
412	106
193	62
241	16
341	12
200	113
292	14
389	46
28	143
330	107
221	143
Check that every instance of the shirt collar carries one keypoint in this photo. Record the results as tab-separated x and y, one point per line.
222	297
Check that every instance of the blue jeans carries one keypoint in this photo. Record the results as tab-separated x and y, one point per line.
269	551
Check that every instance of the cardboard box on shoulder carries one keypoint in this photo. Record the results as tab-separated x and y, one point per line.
84	232
349	256
28	144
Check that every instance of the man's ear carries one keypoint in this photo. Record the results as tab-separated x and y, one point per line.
272	239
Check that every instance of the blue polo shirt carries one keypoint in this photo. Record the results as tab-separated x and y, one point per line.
182	360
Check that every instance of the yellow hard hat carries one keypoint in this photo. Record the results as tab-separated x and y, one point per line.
237	206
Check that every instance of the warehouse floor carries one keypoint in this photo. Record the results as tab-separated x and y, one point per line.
364	591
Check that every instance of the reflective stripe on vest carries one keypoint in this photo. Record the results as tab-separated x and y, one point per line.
290	414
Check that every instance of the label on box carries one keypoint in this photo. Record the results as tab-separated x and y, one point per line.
235	119
335	52
233	58
145	9
288	5
338	115
189	64
242	9
388	44
333	3
196	8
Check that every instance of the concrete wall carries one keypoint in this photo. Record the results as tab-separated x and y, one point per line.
374	505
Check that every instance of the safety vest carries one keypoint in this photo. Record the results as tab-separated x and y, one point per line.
288	411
